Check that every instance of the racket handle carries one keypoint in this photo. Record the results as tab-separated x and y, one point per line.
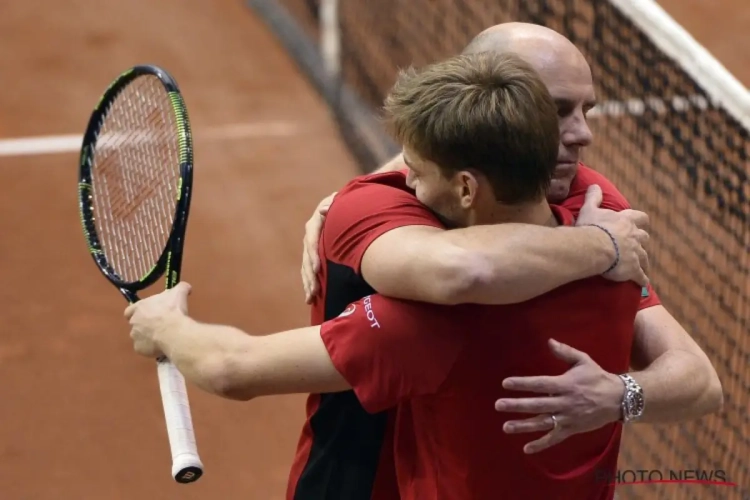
186	465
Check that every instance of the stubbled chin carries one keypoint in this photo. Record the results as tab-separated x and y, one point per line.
558	190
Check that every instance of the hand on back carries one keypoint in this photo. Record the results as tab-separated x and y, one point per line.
310	259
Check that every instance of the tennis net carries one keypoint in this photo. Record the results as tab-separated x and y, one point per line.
671	131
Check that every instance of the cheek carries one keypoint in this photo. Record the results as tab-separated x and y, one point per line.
424	195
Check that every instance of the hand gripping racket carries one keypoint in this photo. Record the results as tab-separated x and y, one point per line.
135	178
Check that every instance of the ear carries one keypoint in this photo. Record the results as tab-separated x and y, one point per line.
467	188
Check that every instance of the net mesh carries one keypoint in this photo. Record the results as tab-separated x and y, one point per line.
669	149
135	174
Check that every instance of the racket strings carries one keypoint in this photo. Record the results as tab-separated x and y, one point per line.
135	177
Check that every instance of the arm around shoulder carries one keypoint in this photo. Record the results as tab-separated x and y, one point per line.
417	263
489	264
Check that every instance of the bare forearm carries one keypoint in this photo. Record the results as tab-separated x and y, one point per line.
200	351
226	361
676	388
516	262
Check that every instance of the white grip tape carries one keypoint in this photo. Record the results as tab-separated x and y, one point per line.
179	422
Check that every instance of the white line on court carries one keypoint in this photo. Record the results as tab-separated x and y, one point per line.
71	143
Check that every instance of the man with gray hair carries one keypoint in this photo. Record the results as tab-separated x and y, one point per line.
671	378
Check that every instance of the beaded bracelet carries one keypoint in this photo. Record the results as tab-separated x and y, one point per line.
614	242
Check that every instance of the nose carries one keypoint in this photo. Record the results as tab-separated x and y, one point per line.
576	131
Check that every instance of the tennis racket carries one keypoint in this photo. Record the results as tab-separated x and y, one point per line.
135	179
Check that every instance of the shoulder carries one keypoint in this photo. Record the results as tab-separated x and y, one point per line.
374	191
378	198
395	181
365	209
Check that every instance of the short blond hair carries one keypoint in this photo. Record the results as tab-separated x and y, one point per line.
487	112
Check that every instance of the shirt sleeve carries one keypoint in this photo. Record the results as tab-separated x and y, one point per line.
649	298
391	350
363	213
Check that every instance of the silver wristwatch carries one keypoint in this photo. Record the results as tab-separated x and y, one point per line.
632	401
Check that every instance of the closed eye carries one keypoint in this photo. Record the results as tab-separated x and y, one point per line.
564	107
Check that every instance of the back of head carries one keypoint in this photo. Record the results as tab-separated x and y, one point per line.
484	112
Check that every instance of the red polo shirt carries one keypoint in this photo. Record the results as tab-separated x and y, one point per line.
442	367
344	451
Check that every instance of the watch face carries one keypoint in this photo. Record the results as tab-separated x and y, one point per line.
639	405
636	403
633	402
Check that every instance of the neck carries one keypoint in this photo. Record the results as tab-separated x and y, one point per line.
538	213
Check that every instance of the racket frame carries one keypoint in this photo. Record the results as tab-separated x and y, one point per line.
186	466
85	185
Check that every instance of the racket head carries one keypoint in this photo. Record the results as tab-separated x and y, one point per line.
140	116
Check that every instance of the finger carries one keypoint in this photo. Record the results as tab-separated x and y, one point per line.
547	441
643	259
305	282
313	290
642	236
312	236
144	349
549	404
326	203
310	277
311	266
594	197
305	269
130	310
541	384
314	259
178	295
314	287
640	219
137	347
310	256
642	279
539	423
566	353
305	289
182	291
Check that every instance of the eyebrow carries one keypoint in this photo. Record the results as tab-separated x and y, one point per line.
571	103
